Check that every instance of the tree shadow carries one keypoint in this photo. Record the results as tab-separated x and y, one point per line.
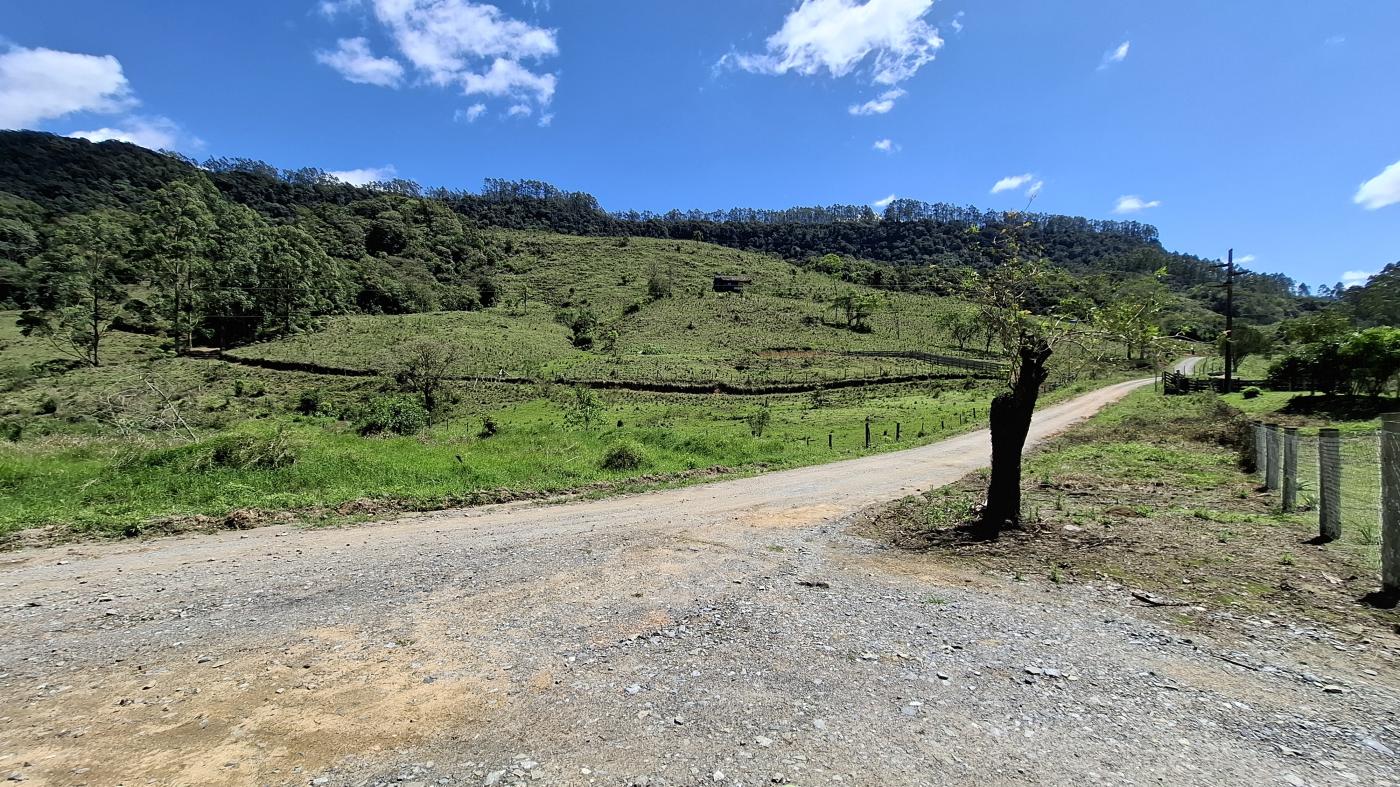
1381	599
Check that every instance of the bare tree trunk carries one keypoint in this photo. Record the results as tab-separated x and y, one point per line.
1010	417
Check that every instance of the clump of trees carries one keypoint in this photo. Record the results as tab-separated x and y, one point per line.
1340	361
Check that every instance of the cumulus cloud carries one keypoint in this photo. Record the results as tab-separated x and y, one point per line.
889	39
1131	203
156	133
886	146
957	24
1012	182
365	175
1355	278
1380	191
44	84
472	46
884	203
1115	55
519	110
353	59
878	106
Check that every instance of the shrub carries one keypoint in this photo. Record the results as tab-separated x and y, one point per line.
1252	392
13	431
489	428
658	284
758	421
311	401
48	405
397	414
623	456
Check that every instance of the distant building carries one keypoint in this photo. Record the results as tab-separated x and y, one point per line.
732	283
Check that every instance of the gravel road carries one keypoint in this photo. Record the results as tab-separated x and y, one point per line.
732	633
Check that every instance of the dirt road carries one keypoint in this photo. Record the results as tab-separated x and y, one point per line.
731	634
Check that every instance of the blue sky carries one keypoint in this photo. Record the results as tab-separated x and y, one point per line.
1270	127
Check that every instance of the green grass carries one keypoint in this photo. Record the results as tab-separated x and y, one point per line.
149	436
780	330
104	483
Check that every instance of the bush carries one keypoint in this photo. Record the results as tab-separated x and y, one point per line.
758	421
48	405
1251	392
311	401
623	456
489	428
398	414
13	431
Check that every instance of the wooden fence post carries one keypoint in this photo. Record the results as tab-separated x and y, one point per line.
1329	486
1390	504
1271	454
1290	469
1260	449
867	432
830	436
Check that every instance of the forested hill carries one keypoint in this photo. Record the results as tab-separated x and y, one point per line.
923	244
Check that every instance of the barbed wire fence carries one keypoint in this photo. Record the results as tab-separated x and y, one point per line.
1350	481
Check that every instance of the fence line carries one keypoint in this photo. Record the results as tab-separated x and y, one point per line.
1351	480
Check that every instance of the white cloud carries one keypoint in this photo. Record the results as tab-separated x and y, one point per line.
884	203
44	84
1380	191
360	177
839	36
1355	278
471	113
957	24
446	40
886	146
519	110
546	120
470	45
1034	189
1245	260
1131	203
1012	182
878	106
1337	40
353	59
509	78
156	133
1115	55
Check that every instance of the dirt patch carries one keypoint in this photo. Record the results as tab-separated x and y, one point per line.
1163	511
255	718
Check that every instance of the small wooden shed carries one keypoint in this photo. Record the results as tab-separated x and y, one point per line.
732	283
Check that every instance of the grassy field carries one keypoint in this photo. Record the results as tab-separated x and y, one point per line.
1149	494
782	329
151	442
282	461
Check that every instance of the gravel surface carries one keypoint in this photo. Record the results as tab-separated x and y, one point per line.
733	633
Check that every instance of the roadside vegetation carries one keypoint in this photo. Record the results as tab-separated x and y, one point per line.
1149	495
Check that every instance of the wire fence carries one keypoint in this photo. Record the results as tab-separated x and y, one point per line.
1350	481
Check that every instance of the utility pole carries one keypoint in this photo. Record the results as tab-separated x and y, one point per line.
1230	321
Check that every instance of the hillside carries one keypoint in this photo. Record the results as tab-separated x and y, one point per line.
390	233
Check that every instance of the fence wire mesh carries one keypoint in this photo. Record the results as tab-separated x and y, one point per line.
1353	485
